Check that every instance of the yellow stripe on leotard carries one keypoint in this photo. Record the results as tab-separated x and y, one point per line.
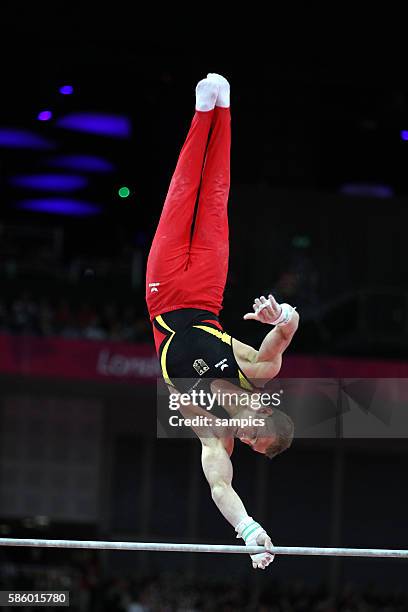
163	364
161	322
224	337
244	382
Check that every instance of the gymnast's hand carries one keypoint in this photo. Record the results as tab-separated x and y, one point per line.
262	560
265	310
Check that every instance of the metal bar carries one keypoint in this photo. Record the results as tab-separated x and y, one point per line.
206	548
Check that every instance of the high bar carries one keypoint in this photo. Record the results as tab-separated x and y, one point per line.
206	548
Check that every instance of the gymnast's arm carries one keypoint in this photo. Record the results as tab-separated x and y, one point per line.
217	466
218	470
265	363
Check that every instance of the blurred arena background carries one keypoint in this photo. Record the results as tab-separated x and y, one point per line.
92	120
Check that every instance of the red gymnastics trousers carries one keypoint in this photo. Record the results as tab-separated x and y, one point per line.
185	268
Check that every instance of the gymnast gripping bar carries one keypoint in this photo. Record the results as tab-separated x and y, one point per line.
206	548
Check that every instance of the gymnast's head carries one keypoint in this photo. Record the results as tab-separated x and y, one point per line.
258	424
270	434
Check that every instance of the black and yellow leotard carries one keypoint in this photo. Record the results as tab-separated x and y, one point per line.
193	347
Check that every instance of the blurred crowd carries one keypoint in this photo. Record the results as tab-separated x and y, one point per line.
92	321
176	592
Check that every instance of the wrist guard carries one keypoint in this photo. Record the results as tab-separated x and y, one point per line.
285	315
249	530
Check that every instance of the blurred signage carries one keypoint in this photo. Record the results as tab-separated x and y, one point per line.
78	359
116	361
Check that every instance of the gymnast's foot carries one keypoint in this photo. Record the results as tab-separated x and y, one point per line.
206	95
223	98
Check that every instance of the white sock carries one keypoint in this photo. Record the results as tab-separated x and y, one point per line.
206	95
223	98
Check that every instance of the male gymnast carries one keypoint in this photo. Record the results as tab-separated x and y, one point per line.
185	280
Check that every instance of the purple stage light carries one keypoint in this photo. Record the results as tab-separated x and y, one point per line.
66	90
368	190
85	163
115	126
45	115
60	206
404	134
50	182
15	138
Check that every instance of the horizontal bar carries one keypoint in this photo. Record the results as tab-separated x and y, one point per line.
206	548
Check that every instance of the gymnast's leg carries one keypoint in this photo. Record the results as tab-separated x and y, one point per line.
169	253
210	246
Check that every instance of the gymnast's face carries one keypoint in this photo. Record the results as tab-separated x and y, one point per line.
254	434
254	437
260	445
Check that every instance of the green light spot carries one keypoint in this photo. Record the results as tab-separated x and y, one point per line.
124	192
301	242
